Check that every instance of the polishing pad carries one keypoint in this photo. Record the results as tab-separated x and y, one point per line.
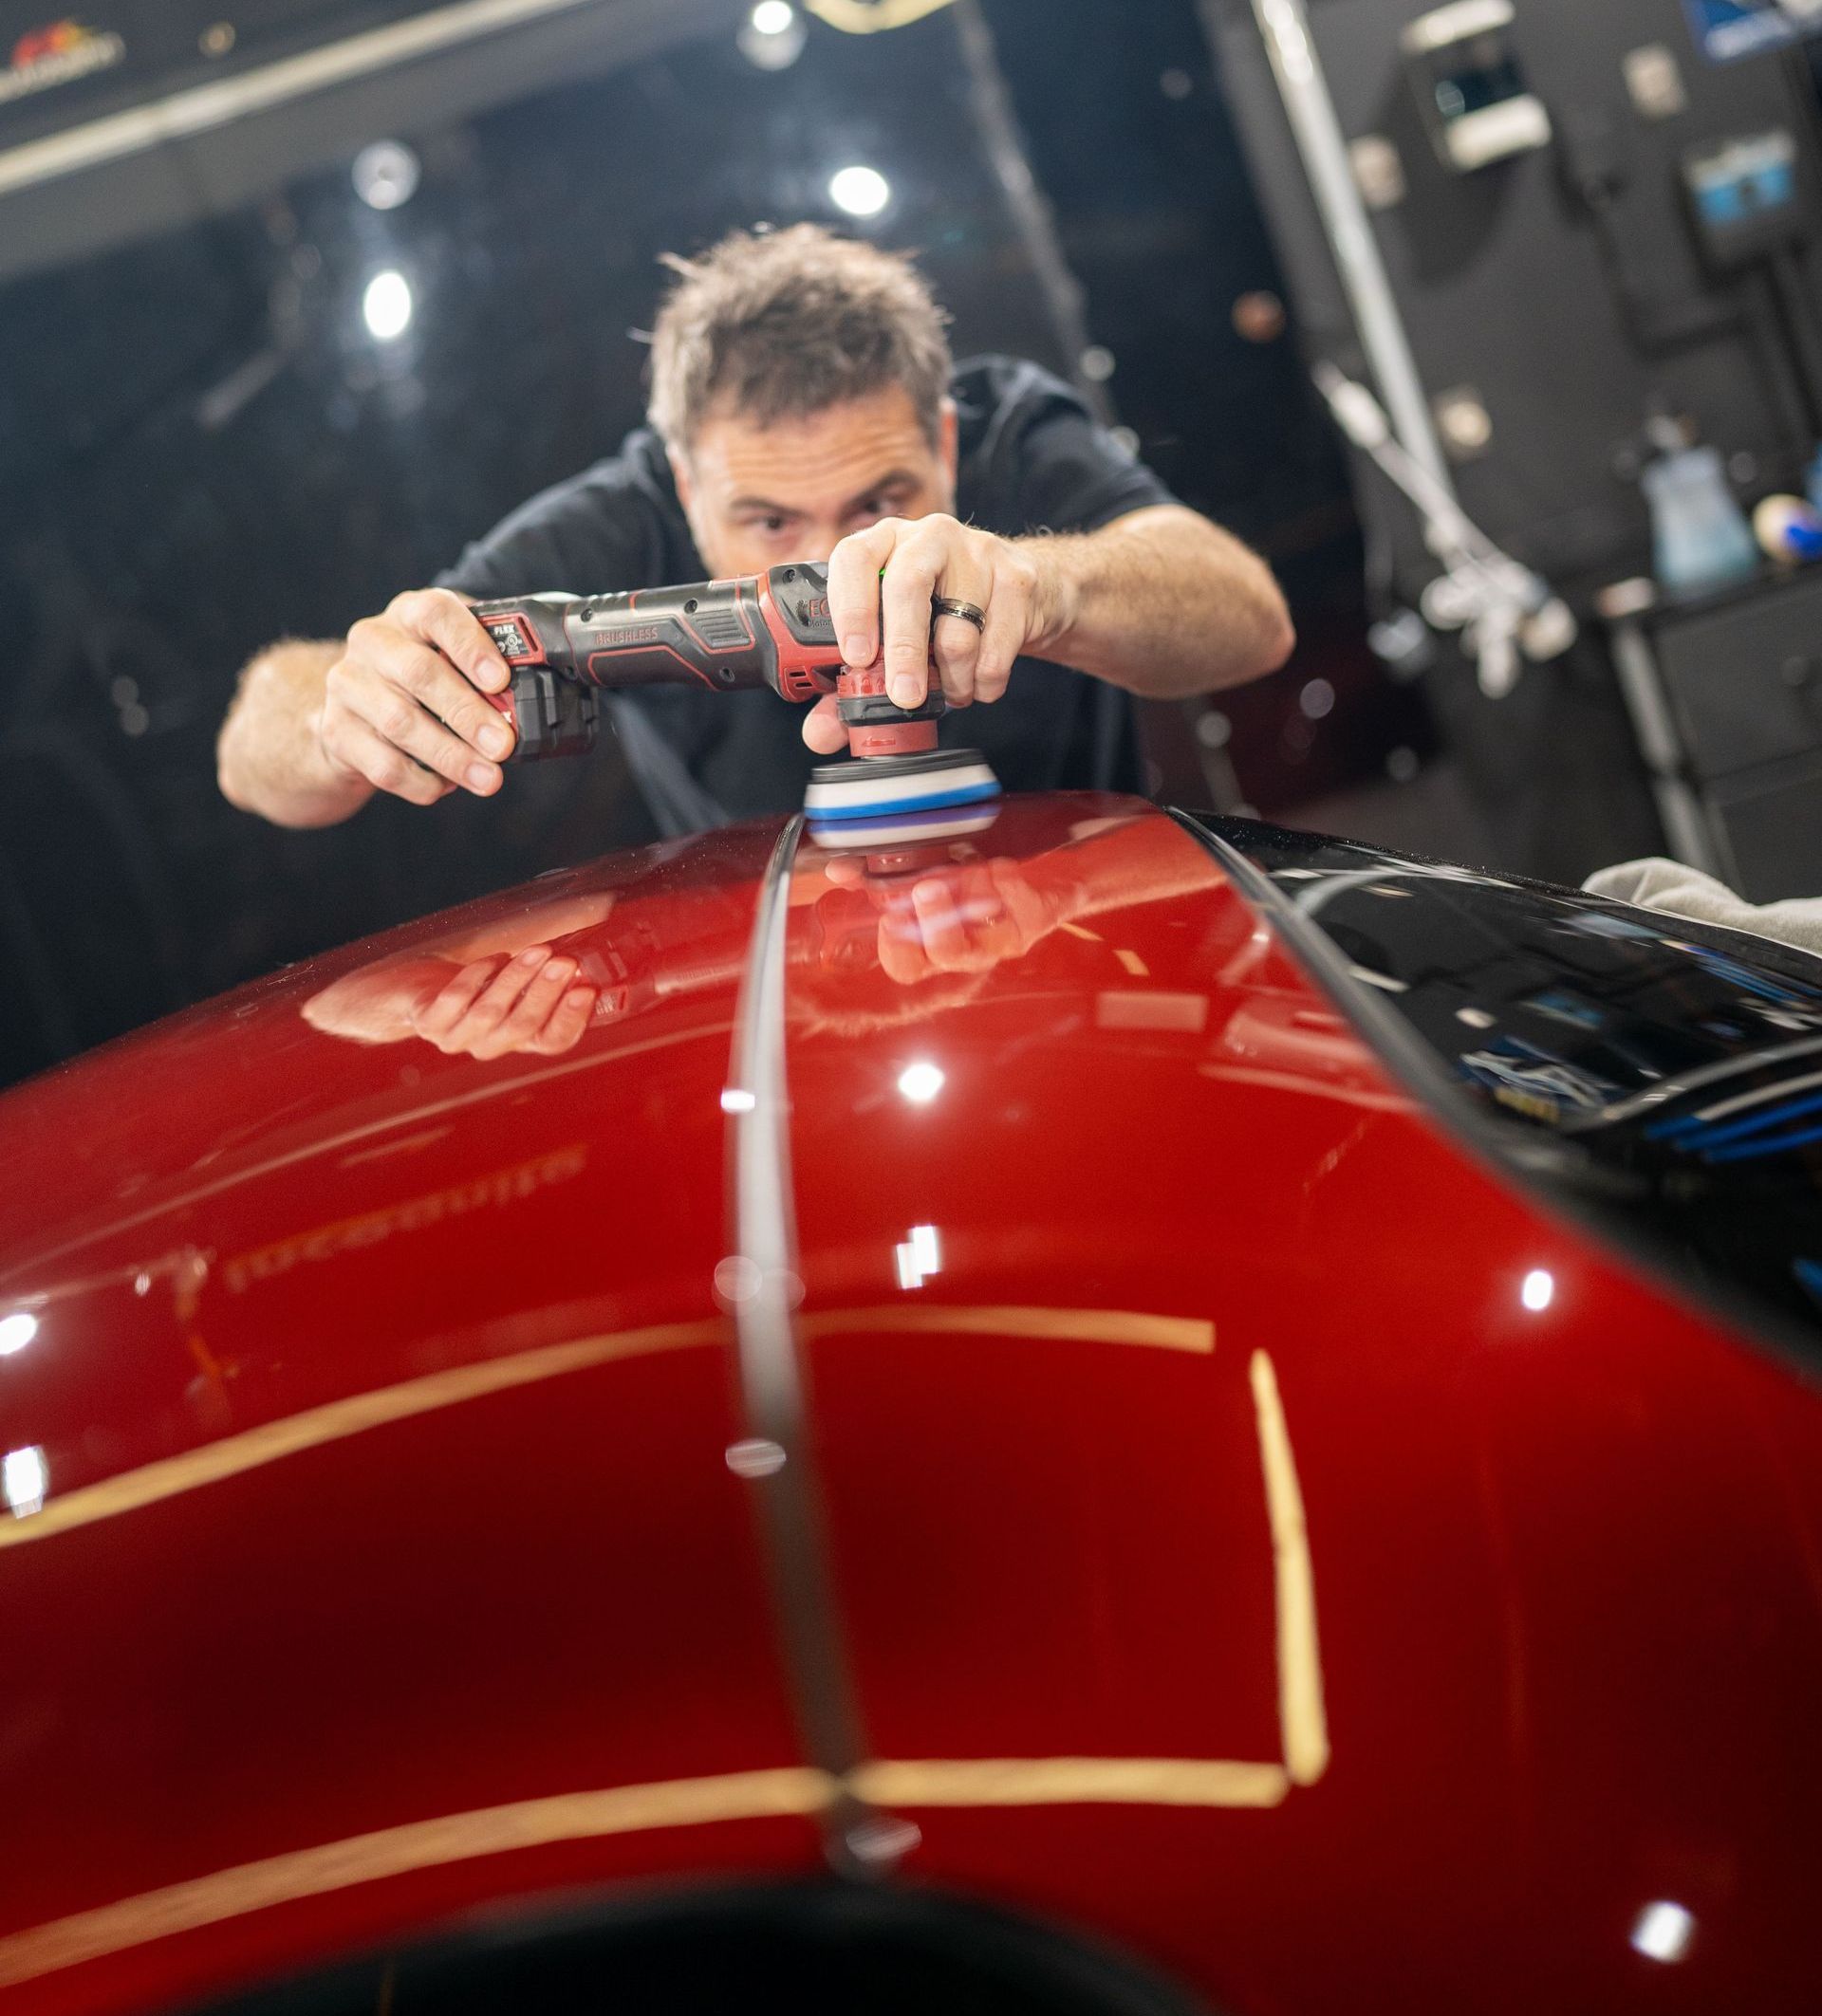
891	786
903	829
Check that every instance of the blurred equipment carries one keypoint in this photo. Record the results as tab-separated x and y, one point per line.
1552	307
1499	607
771	629
1470	85
1788	529
1700	539
1731	29
161	115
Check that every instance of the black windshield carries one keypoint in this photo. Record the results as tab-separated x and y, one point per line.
1675	1066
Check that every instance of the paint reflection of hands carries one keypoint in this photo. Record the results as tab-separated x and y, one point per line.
494	1005
480	993
953	919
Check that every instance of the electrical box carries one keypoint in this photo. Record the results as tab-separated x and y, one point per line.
1470	85
1744	197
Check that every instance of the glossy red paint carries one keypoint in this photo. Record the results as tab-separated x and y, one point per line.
1229	1562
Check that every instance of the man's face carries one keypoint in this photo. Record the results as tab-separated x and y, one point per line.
757	497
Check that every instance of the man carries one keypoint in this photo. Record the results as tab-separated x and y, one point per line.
804	407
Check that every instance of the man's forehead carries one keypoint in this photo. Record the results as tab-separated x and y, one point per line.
824	457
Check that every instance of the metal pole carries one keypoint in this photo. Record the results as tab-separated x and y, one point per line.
1032	216
1316	128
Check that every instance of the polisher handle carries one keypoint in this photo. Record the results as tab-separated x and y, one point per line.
771	629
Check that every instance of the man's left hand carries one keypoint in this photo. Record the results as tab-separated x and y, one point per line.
882	579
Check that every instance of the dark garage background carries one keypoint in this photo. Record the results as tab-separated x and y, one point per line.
203	449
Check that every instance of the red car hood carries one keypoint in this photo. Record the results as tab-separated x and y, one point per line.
1027	1401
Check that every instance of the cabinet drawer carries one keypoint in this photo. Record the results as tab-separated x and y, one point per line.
1747	679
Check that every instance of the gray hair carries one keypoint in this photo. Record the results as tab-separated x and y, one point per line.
784	324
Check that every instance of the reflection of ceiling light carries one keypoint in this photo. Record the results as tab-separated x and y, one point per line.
735	1100
1664	1932
17	1331
1538	1290
755	1457
772	36
387	306
385	175
921	1082
23	1479
920	1257
861	192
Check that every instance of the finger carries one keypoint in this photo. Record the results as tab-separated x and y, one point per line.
356	746
402	725
398	659
523	1023
901	953
910	580
854	590
992	930
437	617
563	1031
945	934
1000	642
955	642
497	999
955	648
440	1016
823	729
1024	906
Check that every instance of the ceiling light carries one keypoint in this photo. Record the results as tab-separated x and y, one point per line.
386	174
861	192
387	304
772	36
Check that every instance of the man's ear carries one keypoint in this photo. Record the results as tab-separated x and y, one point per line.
947	436
679	475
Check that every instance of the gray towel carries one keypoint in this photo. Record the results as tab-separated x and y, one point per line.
1683	892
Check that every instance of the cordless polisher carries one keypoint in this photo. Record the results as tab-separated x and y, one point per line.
771	629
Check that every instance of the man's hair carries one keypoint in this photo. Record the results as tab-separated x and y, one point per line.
779	324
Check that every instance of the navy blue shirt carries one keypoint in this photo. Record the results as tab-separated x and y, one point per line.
1031	458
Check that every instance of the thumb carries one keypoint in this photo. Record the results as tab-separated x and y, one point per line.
823	729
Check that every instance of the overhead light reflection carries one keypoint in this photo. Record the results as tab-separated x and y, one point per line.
387	306
921	1082
385	175
1663	1931
17	1331
1539	1289
919	1257
861	192
25	1478
772	36
735	1100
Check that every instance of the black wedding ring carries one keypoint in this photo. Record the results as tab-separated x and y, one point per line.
950	605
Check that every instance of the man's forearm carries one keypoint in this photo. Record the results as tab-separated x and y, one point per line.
1161	603
269	757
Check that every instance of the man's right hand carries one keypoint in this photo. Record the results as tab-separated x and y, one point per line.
403	706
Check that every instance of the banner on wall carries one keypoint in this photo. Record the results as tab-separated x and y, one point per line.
1729	29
